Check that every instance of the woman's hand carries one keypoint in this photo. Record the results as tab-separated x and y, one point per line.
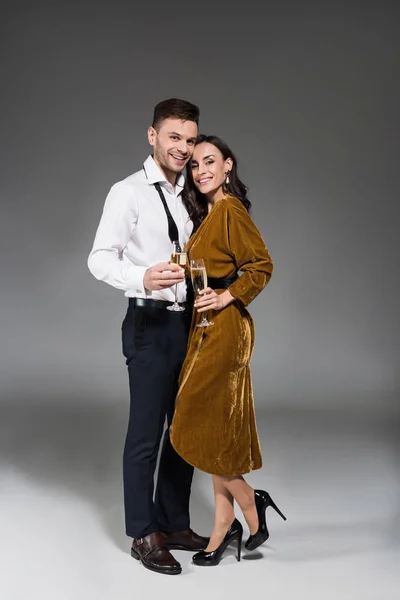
210	300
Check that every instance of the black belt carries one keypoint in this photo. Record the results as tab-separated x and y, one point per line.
150	303
221	283
215	283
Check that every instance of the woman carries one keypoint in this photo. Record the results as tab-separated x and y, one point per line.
214	427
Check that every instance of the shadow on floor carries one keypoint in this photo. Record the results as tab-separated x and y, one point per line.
79	447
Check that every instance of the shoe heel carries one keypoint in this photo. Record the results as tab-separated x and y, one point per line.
239	548
134	555
276	509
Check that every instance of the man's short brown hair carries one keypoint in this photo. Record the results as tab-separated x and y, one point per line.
174	108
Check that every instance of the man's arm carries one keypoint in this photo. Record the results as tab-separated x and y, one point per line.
117	222
116	225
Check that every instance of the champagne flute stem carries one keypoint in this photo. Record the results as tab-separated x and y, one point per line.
204	319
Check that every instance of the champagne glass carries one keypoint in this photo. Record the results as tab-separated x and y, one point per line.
199	281
178	257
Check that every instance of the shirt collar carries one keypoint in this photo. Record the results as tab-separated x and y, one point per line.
154	175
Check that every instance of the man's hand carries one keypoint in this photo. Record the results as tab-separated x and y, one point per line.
163	276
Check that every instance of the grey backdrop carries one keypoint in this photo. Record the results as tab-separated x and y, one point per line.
306	94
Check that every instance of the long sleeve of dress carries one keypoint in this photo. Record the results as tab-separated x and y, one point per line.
249	252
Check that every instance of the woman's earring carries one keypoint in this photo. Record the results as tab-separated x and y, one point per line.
227	178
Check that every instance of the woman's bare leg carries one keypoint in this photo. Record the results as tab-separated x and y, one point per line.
224	513
243	493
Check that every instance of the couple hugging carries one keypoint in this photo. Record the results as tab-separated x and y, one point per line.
197	378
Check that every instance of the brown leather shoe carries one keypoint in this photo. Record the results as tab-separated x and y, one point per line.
186	540
153	552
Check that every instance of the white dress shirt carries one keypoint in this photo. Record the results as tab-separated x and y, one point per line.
133	232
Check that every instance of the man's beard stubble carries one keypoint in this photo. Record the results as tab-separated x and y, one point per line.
162	161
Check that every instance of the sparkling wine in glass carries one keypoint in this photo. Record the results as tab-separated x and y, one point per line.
199	281
178	257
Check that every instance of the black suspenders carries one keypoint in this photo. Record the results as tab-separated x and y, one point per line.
172	228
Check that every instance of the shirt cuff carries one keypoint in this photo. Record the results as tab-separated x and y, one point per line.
135	282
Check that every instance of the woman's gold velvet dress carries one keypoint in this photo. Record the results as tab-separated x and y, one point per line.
214	426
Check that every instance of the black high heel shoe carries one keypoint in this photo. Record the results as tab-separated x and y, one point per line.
263	500
210	559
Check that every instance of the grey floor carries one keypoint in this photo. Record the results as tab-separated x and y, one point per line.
334	474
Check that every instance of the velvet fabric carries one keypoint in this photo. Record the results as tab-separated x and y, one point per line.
214	426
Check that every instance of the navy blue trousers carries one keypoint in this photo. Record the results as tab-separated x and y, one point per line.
154	344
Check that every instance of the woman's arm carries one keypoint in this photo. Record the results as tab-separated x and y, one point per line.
250	255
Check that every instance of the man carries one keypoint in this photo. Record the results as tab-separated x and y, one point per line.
143	215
